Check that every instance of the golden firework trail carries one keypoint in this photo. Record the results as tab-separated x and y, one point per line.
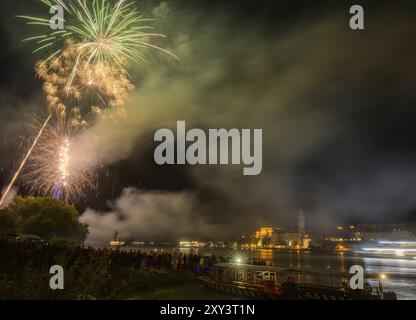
63	170
15	176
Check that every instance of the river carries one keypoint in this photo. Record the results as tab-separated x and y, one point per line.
400	274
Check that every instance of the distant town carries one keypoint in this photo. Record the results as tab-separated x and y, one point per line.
367	239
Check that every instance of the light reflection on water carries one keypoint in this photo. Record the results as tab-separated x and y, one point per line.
404	287
401	273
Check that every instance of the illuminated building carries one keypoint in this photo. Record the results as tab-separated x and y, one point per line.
383	231
368	232
264	232
276	237
280	238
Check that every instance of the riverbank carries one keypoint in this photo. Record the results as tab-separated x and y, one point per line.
191	291
161	273
89	273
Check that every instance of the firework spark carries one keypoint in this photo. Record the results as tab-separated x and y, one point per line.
91	90
23	162
104	33
55	168
87	65
63	169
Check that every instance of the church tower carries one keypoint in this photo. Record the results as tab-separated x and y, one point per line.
301	226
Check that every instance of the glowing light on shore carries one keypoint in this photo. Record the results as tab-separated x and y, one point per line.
238	258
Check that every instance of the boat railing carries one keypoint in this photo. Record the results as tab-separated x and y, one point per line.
259	274
310	282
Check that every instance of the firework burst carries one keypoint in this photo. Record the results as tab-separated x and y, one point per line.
84	65
90	91
55	168
105	32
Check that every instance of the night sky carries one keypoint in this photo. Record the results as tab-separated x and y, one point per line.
337	108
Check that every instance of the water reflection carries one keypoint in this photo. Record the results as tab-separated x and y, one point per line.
266	254
400	273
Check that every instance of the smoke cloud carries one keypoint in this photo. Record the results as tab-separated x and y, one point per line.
149	216
303	85
335	107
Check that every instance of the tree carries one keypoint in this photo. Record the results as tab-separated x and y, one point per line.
46	217
8	222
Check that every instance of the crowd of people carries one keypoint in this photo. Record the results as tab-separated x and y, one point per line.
150	260
23	257
18	252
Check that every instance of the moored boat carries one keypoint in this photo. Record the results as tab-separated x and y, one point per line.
260	282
